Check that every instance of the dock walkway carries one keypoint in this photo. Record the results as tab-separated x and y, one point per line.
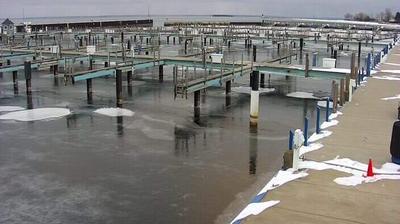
364	132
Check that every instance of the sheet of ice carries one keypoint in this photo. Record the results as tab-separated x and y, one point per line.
302	95
328	124
391	98
386	77
36	114
10	108
316	137
281	178
247	90
254	209
391	71
115	112
311	147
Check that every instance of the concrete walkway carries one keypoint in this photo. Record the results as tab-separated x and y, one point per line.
363	132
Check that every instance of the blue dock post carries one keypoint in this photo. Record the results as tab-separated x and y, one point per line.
305	131
318	119
327	110
369	64
314	60
291	135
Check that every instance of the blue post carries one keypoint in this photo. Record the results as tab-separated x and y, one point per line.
369	64
314	60
327	110
305	131
318	118
291	134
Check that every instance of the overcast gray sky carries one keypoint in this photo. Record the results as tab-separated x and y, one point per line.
287	8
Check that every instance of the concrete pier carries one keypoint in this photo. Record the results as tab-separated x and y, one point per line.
363	133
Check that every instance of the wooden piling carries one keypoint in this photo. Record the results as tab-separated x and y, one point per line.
129	80
89	91
28	78
254	98
228	88
254	53
197	106
307	67
15	81
161	73
118	87
262	80
342	97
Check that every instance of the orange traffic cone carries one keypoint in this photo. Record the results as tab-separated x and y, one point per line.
370	172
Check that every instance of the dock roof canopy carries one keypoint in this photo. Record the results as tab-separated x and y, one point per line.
7	22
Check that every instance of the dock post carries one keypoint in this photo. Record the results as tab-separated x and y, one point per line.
359	54
334	96
301	45
254	53
118	87
15	81
129	80
28	78
228	86
89	91
254	100
318	128
55	70
305	131
307	67
197	106
1	73
347	88
279	49
314	60
327	110
161	73
369	64
341	102
90	63
262	80
167	39
173	40
291	135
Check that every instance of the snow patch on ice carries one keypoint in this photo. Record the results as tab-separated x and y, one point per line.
115	112
394	64
36	114
302	95
10	108
247	90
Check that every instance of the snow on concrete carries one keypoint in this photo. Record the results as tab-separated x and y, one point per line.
281	178
393	64
302	95
315	137
335	115
391	71
391	98
387	77
247	90
115	112
357	169
328	124
36	114
254	209
10	108
311	147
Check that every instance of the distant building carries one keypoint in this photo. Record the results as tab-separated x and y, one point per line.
7	27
